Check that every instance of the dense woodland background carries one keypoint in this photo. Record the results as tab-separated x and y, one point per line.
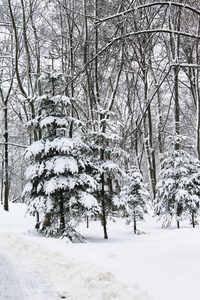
131	70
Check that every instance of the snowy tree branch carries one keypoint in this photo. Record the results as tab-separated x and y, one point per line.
153	31
13	144
159	30
169	3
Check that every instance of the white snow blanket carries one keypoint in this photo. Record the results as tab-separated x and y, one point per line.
162	264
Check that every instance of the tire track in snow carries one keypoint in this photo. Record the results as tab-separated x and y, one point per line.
19	281
80	281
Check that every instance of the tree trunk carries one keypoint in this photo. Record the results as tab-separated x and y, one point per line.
62	214
193	220
104	223
87	220
37	225
176	108
160	121
197	93
6	179
97	95
17	46
28	56
135	225
2	180
149	139
175	50
178	224
86	57
37	48
47	221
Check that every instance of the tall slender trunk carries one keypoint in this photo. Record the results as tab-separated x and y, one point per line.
17	46
28	56
103	204
159	110
37	49
175	24
89	86
198	114
176	105
197	93
6	179
70	20
149	139
152	151
175	50
6	154
104	223
96	46
2	180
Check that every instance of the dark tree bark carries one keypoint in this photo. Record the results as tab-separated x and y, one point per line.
135	225
6	165
193	220
103	206
62	214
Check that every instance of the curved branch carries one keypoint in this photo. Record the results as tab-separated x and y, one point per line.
169	3
153	31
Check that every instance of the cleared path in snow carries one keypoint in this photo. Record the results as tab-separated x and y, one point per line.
19	281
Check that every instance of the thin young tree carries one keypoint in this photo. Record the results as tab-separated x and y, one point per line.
134	197
178	189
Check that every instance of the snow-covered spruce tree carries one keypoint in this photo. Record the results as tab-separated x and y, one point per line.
133	197
57	183
178	190
103	166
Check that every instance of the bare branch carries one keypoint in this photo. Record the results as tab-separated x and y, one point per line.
121	37
157	31
152	97
169	3
12	144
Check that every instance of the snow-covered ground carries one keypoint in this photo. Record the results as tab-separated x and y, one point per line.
162	264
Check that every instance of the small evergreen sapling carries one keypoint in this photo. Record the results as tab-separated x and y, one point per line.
178	190
133	197
103	166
